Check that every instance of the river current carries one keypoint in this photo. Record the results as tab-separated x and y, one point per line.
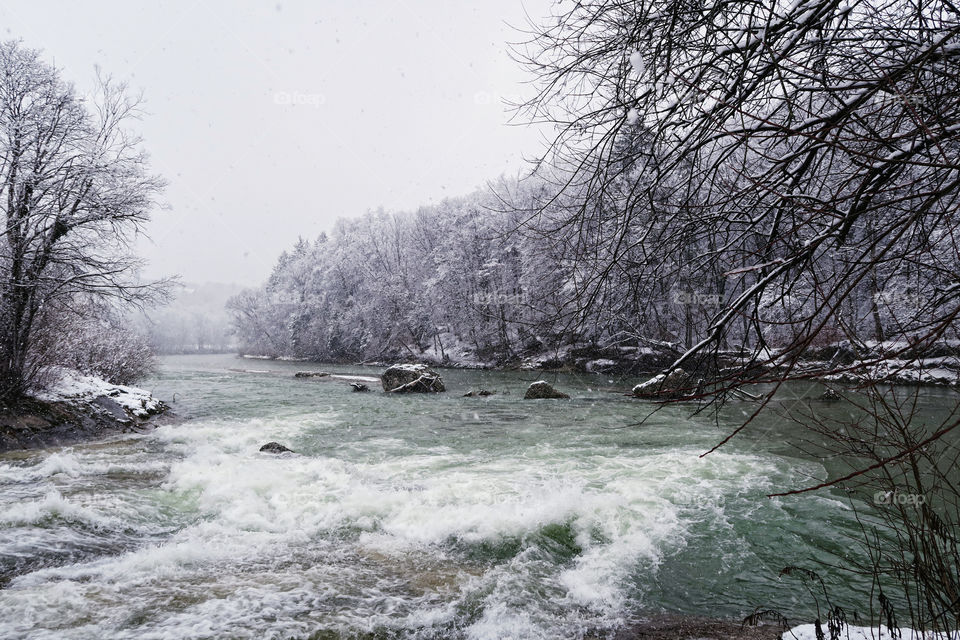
421	516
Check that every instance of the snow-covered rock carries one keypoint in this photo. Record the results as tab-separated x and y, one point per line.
72	387
543	389
665	386
411	378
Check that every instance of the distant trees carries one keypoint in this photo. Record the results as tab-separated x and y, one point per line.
493	276
74	187
444	282
194	320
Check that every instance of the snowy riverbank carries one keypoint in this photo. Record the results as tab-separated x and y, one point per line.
888	362
75	407
677	627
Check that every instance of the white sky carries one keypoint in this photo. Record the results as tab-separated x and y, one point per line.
399	105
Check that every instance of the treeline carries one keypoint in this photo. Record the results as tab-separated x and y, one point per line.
502	274
449	282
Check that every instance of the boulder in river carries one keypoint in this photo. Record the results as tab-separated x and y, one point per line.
411	378
482	392
275	447
671	386
311	374
830	395
542	389
359	386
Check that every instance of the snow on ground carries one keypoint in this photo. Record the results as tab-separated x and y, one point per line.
809	632
415	367
454	353
650	385
943	371
73	385
540	361
596	366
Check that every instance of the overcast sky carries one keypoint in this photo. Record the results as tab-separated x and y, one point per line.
272	119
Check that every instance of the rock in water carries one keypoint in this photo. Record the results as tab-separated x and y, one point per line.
830	395
311	374
275	447
359	386
482	392
674	385
411	378
542	389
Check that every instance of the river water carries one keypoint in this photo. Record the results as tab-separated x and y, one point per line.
404	516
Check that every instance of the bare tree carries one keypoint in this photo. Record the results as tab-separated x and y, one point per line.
74	188
807	153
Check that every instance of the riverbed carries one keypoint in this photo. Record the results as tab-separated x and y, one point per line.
420	516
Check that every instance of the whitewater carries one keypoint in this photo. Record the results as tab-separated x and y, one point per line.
411	517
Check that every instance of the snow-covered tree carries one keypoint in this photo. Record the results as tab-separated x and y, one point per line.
74	187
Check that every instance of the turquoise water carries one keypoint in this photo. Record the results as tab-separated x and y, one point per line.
407	516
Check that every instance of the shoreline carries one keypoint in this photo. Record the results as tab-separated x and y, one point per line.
936	370
35	424
695	627
79	409
96	409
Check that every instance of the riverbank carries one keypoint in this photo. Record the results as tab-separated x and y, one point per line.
890	362
77	408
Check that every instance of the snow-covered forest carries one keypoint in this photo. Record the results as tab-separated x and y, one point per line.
470	280
449	281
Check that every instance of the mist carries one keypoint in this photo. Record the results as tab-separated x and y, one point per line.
271	120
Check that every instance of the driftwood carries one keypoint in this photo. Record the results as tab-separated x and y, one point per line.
422	384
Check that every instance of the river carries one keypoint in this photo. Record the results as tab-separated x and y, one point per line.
422	516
